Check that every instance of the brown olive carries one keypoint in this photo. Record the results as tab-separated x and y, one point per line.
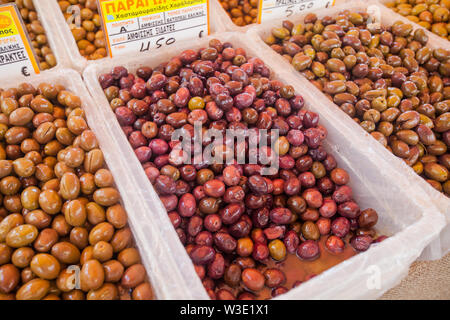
35	289
21	236
21	257
45	266
106	292
45	240
113	270
9	278
133	276
66	252
128	257
92	275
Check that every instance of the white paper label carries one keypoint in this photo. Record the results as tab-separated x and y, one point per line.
134	26
282	9
16	55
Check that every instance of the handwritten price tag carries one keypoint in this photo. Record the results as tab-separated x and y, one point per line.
16	54
281	9
133	26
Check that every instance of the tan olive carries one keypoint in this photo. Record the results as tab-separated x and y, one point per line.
310	231
23	167
21	236
40	104
102	232
335	65
88	141
143	292
87	182
45	266
426	135
104	178
133	276
408	136
95	213
301	62
9	185
93	161
379	137
436	172
437	148
121	239
102	251
92	275
408	119
74	157
30	198
76	124
113	270
44	173
5	253
128	257
74	295
50	201
400	149
21	257
442	123
9	278
27	275
61	168
69	186
8	223
79	237
87	254
38	218
61	226
117	216
75	213
277	250
446	187
66	252
35	289
45	132
106	196
336	86
45	240
8	105
5	168
52	148
106	292
64	136
21	116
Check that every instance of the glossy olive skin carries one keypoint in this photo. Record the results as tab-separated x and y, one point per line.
233	219
389	81
61	214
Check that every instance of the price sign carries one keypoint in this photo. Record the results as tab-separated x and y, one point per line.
133	26
281	9
16	54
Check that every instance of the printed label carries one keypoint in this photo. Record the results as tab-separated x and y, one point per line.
281	9
16	54
135	26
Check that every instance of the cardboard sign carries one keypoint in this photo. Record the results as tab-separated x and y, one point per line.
16	54
283	9
133	26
